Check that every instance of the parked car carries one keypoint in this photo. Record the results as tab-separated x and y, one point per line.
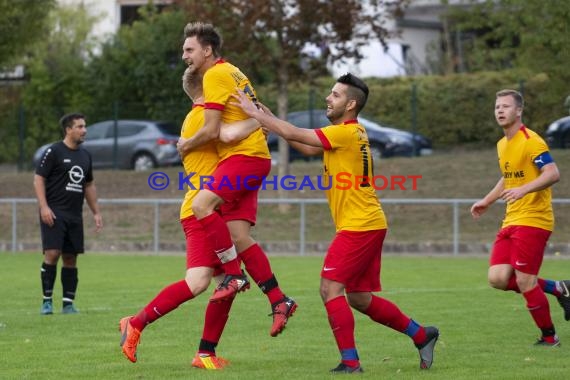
384	141
141	144
558	133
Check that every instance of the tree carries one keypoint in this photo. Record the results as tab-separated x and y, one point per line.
140	69
275	34
502	34
57	65
529	36
21	22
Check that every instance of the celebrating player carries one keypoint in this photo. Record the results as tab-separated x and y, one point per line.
201	262
237	177
353	260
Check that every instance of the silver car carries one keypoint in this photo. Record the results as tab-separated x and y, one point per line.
139	144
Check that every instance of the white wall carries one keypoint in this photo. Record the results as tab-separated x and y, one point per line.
376	62
109	10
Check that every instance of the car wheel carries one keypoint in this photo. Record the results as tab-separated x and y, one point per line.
143	161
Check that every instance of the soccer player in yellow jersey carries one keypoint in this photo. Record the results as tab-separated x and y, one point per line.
236	179
201	262
353	260
528	171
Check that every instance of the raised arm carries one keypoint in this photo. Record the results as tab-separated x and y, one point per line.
282	128
305	149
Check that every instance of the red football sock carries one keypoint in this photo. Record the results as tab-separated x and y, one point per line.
167	300
547	286
217	314
219	234
388	314
538	307
258	266
341	321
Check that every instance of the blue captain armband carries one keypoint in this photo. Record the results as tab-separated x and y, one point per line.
543	159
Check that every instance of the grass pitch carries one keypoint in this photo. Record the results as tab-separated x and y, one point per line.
485	334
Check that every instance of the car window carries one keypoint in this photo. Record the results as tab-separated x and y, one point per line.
323	121
126	130
303	119
300	120
169	128
97	131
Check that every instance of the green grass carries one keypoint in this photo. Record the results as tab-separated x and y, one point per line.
485	334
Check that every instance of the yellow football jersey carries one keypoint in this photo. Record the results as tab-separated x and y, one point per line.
220	82
517	161
197	163
352	200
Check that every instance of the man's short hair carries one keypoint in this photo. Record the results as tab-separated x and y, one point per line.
66	121
190	81
519	100
357	89
206	35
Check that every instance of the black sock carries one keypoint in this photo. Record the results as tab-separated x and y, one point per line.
48	274
207	346
266	286
69	281
548	332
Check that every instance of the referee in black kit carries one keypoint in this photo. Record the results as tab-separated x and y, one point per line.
63	179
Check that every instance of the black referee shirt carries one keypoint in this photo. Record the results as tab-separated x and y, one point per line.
66	171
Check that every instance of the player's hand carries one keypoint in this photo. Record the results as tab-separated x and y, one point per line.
47	216
513	194
478	209
245	103
180	146
265	109
98	222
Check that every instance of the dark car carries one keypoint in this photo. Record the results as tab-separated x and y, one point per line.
141	144
384	141
558	133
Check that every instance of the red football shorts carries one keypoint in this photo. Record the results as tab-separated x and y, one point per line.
237	180
520	246
199	251
354	259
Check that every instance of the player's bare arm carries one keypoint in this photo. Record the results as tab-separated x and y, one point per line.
239	130
46	214
91	199
306	150
282	128
481	206
549	175
210	131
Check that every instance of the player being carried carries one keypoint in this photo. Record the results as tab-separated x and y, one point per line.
236	179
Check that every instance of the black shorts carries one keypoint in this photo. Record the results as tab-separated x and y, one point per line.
66	235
